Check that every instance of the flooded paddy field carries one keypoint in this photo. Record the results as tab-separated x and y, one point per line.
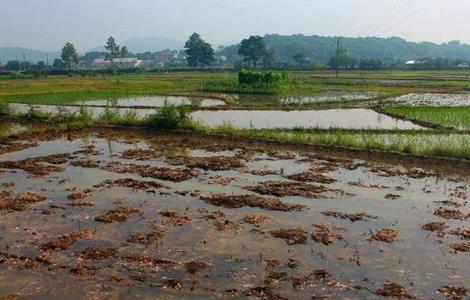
432	99
259	119
331	118
153	101
130	214
315	98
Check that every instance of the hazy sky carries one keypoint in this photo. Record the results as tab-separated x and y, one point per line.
47	24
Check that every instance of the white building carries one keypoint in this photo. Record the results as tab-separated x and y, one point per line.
122	63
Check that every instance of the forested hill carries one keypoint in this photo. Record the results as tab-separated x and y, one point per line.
321	48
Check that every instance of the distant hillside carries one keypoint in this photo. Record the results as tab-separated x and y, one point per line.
152	44
31	55
321	48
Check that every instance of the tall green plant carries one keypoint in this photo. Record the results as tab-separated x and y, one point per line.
169	116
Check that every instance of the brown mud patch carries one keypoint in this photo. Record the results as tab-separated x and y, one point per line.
132	184
90	164
239	201
120	214
140	154
353	217
285	188
146	238
461	247
98	253
20	203
292	236
226	225
325	235
453	292
312	175
196	266
255	219
144	260
448	213
434	226
66	241
36	263
394	290
463	233
384	235
173	219
175	175
214	163
78	196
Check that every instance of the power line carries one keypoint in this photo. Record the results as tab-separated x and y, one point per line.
412	14
392	15
390	10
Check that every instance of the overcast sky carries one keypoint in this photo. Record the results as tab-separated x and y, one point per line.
47	24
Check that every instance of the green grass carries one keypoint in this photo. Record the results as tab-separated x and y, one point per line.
455	117
431	142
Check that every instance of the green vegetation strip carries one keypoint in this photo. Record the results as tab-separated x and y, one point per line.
454	117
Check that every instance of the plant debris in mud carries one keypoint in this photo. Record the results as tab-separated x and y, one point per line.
78	196
434	226
98	253
292	236
463	233
255	219
394	290
312	175
239	201
120	214
66	241
31	166
20	202
448	213
325	235
385	235
146	238
140	154
226	225
85	163
461	247
214	163
36	263
453	292
174	219
132	184
285	188
144	260
196	266
353	217
176	175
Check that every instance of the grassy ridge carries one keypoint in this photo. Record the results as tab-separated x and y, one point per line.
455	117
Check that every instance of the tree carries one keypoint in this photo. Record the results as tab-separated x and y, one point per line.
113	50
253	49
58	64
268	60
69	55
199	52
13	65
298	58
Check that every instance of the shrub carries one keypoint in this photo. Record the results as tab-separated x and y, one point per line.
268	78
169	116
4	108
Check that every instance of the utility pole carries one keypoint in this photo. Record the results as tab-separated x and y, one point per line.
337	57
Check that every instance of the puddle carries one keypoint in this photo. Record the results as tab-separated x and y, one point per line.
320	97
333	118
103	213
154	101
430	99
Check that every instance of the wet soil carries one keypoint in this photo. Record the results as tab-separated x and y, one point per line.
187	217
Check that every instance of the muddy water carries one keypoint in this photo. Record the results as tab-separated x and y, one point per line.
320	97
212	251
333	118
432	100
259	119
154	101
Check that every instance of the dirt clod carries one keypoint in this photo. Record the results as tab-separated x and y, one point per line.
119	214
325	235
196	266
434	226
351	217
292	236
255	219
98	253
66	241
453	292
385	235
393	290
239	201
285	188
